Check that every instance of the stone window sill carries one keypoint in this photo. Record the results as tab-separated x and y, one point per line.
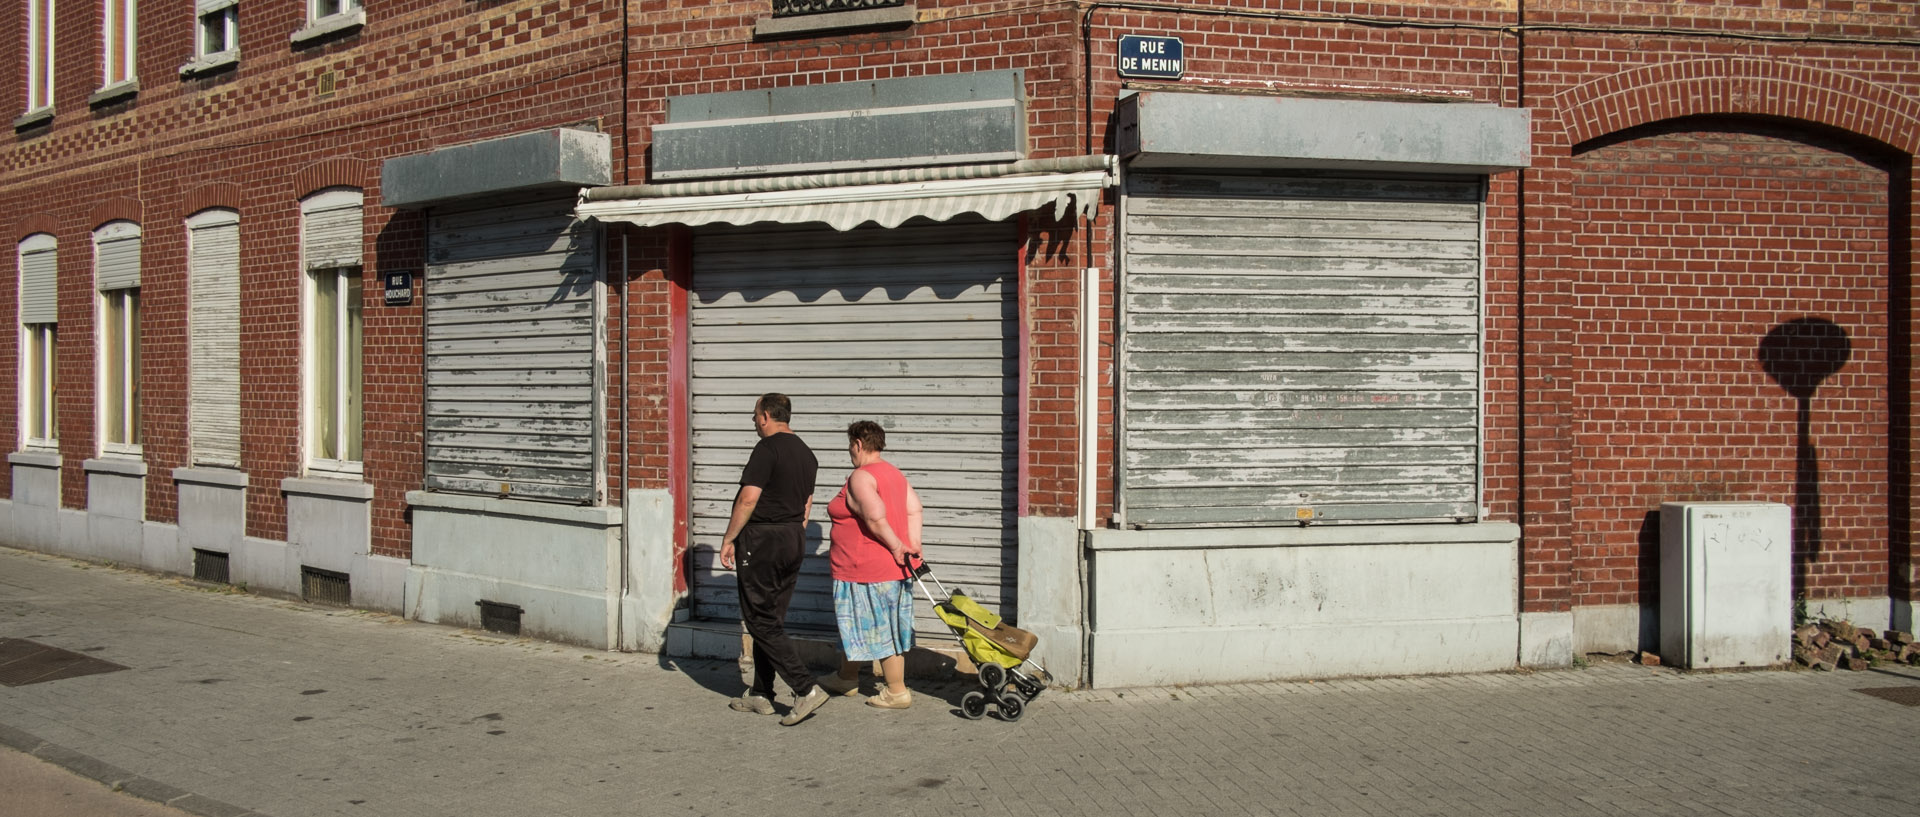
34	118
833	22
329	26
117	92
210	63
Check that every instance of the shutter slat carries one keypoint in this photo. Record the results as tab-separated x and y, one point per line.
39	286
214	417
332	237
512	347
928	311
117	263
1335	320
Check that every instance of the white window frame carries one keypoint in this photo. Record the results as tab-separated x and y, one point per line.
225	13
40	51
347	412
316	12
39	373
127	58
217	446
321	22
126	353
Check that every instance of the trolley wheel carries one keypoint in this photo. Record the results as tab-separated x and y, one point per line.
1029	687
1012	706
973	705
993	677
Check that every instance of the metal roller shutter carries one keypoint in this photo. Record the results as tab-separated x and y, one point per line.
213	246
1300	348
515	359
118	260
912	327
39	281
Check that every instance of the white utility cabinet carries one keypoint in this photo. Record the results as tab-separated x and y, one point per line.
1726	584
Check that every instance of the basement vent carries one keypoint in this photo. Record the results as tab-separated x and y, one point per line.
210	566
500	618
325	586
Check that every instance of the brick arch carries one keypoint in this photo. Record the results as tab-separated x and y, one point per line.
36	223
1739	86
214	194
118	208
329	173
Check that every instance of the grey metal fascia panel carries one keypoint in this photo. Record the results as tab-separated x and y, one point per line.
961	118
554	159
1164	129
847	96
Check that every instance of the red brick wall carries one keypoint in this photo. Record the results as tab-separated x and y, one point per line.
1692	242
421	74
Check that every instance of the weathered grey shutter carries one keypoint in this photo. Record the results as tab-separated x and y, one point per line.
332	234
914	328
39	286
1300	348
514	360
118	262
214	267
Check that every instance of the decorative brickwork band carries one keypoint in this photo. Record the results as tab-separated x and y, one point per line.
118	208
334	173
1737	86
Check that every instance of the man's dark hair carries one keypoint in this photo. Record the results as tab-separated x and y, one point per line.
776	406
868	434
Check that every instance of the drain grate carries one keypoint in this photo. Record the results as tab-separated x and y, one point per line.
210	566
499	618
325	586
1905	696
24	662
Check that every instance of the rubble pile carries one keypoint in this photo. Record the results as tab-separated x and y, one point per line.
1830	645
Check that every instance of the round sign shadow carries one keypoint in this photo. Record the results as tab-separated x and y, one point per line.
1802	353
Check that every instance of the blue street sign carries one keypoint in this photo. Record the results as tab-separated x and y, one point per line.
1151	57
399	287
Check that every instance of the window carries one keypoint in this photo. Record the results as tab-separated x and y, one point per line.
119	32
39	54
116	252
39	322
328	18
330	250
213	270
218	28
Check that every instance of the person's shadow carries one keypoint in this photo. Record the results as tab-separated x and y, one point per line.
1799	355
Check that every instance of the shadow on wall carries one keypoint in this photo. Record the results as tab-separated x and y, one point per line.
1800	355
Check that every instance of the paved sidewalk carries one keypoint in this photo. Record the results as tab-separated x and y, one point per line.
235	703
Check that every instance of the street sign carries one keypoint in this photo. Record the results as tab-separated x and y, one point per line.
400	288
1151	57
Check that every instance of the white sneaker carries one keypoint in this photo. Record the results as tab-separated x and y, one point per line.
805	706
749	702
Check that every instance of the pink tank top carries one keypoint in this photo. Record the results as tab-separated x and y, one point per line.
856	556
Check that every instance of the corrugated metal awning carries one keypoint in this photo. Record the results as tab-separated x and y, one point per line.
848	200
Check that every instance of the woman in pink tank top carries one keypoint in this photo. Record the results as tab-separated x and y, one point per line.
875	528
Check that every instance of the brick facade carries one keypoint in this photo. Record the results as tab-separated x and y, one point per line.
1703	173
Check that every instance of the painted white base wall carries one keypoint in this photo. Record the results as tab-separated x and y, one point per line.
327	524
559	563
1218	606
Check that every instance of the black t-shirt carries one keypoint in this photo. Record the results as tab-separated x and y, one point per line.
783	468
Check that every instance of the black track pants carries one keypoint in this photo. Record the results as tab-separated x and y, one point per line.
768	565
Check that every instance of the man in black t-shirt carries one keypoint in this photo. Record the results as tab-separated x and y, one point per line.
764	544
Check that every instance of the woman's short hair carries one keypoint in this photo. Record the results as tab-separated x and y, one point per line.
868	434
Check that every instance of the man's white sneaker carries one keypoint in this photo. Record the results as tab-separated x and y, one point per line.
750	702
805	705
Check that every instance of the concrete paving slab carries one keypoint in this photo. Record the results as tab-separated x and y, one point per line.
282	709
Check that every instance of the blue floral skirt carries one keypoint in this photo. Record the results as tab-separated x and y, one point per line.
876	620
